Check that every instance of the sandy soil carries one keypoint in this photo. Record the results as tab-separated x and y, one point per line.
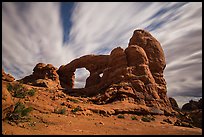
72	124
44	120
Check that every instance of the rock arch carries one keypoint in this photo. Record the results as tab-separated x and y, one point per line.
142	61
95	64
80	76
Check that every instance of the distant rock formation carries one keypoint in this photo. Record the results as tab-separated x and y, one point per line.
134	74
44	76
174	104
192	105
190	114
7	77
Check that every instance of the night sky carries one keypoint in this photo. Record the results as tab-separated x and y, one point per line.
57	33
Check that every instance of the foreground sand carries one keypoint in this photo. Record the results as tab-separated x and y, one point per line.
72	124
44	120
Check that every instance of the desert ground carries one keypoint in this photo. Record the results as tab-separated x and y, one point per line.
57	124
89	120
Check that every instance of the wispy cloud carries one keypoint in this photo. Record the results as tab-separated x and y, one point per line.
33	32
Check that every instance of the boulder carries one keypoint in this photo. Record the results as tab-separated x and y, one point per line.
44	76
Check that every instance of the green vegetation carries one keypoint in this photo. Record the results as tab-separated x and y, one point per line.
78	108
19	91
148	118
134	118
121	116
60	111
145	119
73	100
31	92
9	87
19	114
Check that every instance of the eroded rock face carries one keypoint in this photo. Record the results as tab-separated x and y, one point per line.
7	77
134	74
43	76
152	48
174	104
192	105
95	64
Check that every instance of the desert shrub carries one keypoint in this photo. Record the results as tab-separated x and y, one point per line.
20	93
133	118
148	118
145	119
19	90
26	111
19	113
60	111
78	108
9	87
73	100
121	116
31	92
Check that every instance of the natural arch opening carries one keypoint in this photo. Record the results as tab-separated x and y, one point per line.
81	74
101	75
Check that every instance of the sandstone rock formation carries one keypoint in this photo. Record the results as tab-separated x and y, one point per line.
194	110
174	104
190	115
192	105
95	64
134	74
44	76
7	77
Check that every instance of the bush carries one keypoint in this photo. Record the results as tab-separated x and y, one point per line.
73	100
148	118
26	111
76	109
19	91
121	116
19	113
9	87
60	111
133	118
31	92
145	119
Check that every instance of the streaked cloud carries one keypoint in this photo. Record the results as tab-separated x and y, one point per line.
33	32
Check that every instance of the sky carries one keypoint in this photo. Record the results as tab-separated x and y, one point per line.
57	33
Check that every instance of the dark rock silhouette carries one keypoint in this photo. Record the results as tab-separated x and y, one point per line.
192	105
190	115
174	104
